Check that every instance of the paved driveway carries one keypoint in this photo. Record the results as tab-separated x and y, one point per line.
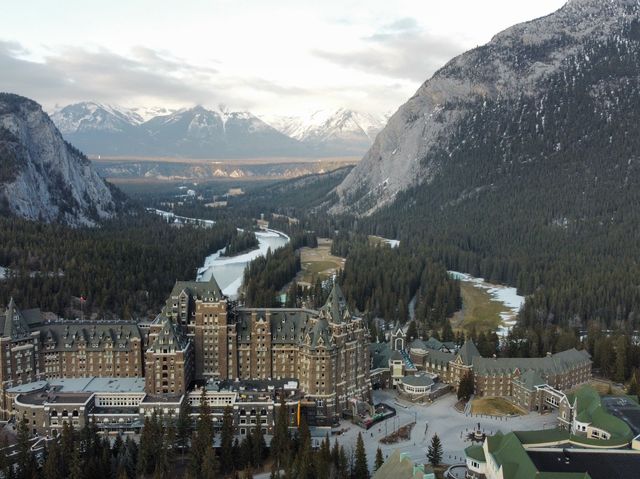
441	418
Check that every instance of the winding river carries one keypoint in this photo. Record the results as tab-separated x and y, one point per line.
228	271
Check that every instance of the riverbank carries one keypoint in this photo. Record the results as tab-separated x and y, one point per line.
228	271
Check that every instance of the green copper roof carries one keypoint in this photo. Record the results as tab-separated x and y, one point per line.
589	410
475	452
509	453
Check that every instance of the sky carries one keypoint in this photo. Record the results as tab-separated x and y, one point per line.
272	57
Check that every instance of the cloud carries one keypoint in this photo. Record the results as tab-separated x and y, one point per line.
144	77
400	50
149	77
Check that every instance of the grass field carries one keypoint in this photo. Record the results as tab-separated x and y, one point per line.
494	406
477	310
605	388
318	262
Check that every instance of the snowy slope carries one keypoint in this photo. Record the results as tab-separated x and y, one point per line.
334	132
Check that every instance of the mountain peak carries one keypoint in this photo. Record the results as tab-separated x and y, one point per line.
515	63
43	176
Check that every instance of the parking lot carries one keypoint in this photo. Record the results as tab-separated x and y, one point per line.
625	409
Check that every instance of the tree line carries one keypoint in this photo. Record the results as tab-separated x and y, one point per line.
181	447
265	276
124	268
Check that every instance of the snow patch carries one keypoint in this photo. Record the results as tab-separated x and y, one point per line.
502	294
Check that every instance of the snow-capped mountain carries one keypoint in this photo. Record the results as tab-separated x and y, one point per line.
91	116
202	133
42	176
100	129
332	132
111	130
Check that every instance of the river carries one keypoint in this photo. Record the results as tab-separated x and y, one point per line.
228	271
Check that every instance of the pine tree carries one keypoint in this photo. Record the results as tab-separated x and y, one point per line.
203	437
633	389
259	444
412	331
434	452
226	441
466	386
25	460
360	469
280	443
447	331
53	464
75	467
210	464
184	425
379	460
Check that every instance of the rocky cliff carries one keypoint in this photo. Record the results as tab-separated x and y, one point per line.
515	64
42	177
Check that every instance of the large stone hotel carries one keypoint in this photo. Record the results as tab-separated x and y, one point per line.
200	338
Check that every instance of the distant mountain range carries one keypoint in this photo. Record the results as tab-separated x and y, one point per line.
108	130
42	177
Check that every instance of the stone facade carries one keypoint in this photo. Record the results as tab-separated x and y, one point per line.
199	336
120	405
517	379
32	349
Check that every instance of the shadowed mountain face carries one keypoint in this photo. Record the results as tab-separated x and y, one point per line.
514	68
519	162
42	177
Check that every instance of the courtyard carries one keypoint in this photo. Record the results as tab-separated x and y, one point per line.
439	417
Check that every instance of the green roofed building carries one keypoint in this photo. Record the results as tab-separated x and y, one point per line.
587	426
504	457
400	466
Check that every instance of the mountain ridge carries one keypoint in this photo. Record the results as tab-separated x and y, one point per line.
514	62
199	132
44	177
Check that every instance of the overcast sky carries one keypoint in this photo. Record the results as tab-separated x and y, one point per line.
266	56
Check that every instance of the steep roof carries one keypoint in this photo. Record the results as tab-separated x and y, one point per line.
204	290
554	364
336	305
379	354
168	338
15	326
440	357
399	466
468	352
475	452
589	410
433	343
287	325
321	334
530	379
418	344
94	336
509	453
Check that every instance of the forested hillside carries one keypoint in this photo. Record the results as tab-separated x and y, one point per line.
125	268
382	282
542	192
